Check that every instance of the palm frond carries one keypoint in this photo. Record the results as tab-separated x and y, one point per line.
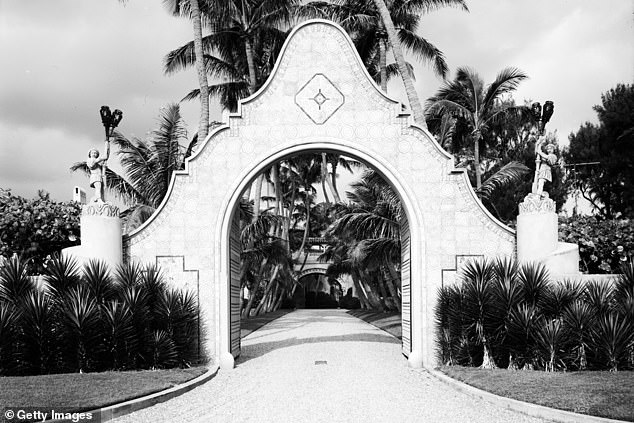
511	173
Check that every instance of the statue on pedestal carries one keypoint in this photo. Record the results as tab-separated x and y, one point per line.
97	168
543	166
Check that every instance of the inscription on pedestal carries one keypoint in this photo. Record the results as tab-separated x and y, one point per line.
535	203
99	208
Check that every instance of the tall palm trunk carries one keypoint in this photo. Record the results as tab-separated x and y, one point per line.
324	177
251	65
333	179
306	227
383	63
267	291
287	221
412	96
203	125
278	198
258	197
360	293
476	160
389	280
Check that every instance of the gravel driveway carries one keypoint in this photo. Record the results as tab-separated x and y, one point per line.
323	366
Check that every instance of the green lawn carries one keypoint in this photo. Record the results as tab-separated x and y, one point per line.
602	394
89	391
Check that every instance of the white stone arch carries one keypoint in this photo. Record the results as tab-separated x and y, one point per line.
418	296
188	234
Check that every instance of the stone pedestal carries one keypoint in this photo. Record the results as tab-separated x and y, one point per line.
101	235
537	238
536	228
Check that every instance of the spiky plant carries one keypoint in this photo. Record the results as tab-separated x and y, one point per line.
154	286
479	306
552	340
625	283
15	283
96	277
36	340
119	334
611	338
80	323
62	274
535	283
522	327
177	315
560	296
135	299
446	333
578	321
8	321
128	274
162	352
507	292
600	295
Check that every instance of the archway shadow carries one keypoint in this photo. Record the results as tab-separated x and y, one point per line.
264	348
256	349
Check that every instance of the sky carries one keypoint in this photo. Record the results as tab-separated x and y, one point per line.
62	60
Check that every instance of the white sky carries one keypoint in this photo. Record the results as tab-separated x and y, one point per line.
62	60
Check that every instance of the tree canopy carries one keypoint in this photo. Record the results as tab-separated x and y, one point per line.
601	157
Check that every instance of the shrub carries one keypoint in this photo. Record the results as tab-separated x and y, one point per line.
502	314
598	241
93	322
38	228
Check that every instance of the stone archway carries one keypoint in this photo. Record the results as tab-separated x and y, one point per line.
319	98
413	296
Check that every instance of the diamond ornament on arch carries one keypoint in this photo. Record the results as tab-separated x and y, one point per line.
319	98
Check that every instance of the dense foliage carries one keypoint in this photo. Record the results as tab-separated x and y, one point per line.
601	156
502	314
36	228
93	321
599	241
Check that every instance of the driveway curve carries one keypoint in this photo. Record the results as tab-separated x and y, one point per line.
324	366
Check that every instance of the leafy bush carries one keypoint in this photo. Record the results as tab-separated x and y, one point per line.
598	241
502	314
92	321
36	228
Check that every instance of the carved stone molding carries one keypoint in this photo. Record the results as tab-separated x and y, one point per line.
99	208
535	203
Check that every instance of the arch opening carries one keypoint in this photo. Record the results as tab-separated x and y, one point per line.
408	294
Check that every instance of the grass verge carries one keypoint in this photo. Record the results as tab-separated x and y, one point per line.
389	322
601	394
88	391
595	393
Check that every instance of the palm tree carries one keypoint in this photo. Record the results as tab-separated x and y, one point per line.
367	25
468	99
192	9
148	164
392	36
241	50
368	231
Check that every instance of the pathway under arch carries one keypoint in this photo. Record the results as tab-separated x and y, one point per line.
319	98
